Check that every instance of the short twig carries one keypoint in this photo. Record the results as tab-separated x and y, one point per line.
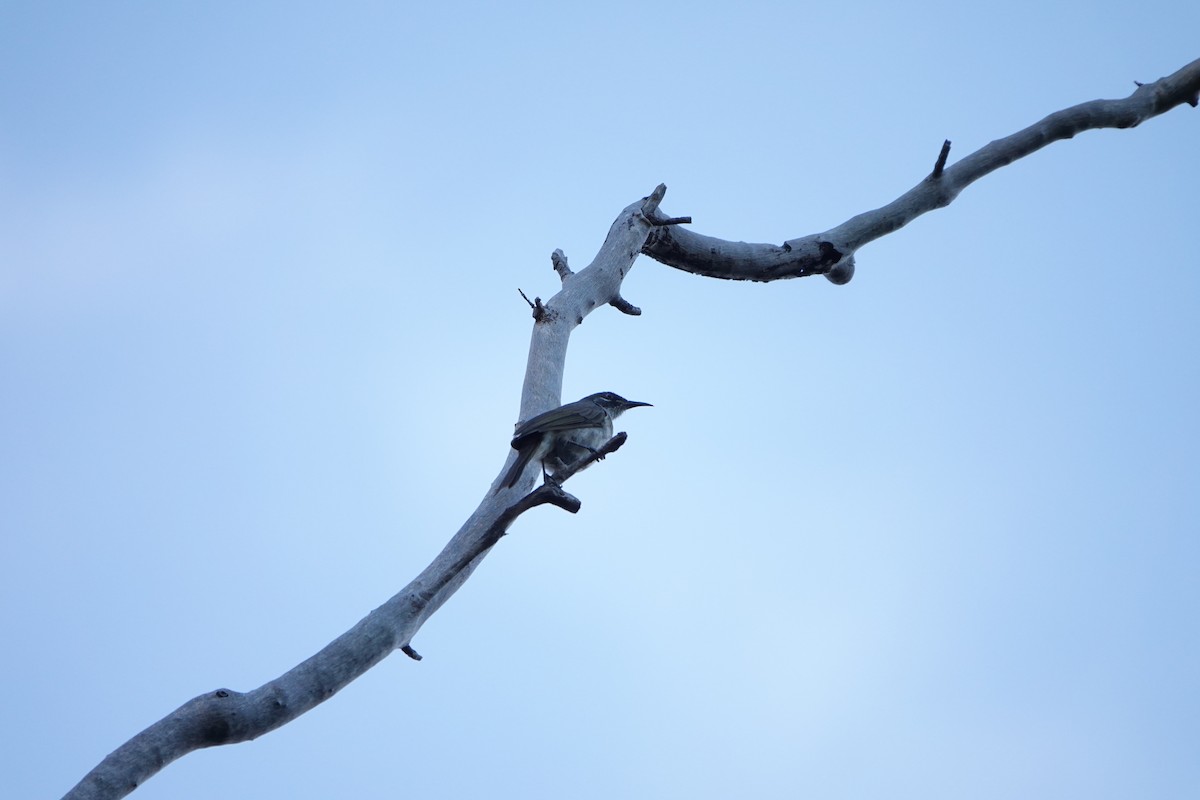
539	310
660	222
650	203
941	161
650	210
549	493
625	307
559	260
552	494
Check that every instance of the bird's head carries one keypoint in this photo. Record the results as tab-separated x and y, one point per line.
614	403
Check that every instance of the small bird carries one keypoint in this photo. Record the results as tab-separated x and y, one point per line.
566	434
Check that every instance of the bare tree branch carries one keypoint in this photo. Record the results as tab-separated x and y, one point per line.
832	253
224	716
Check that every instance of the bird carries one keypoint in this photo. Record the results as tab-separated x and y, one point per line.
566	434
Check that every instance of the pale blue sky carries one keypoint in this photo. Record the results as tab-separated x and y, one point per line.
929	535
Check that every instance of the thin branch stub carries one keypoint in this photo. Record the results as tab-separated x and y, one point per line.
553	494
625	307
941	161
539	310
659	222
650	210
650	203
558	259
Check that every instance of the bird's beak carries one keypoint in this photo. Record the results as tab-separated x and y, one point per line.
635	403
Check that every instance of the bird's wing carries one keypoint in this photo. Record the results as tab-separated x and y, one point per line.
563	418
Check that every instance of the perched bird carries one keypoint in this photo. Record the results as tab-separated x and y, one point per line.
566	434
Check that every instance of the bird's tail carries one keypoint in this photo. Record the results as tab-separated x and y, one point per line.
518	467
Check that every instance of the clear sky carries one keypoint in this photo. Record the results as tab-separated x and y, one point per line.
932	534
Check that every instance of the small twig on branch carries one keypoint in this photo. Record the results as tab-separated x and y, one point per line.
559	260
941	161
660	222
408	651
651	201
549	493
625	307
539	310
552	494
650	210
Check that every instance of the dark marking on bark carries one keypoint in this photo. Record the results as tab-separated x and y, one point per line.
214	730
830	255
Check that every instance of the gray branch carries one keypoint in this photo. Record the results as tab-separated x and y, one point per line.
225	716
832	253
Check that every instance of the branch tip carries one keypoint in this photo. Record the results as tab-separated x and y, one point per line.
408	651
